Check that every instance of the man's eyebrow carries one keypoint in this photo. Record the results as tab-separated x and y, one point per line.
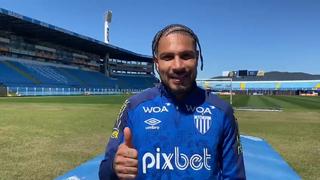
166	53
187	51
182	52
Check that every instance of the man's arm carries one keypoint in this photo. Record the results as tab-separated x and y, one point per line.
232	158
106	170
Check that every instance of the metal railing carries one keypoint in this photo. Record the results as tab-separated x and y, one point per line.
53	91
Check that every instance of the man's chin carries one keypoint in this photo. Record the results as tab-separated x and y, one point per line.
179	89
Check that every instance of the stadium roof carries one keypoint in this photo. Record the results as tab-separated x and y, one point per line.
25	26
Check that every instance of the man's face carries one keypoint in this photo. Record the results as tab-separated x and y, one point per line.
177	62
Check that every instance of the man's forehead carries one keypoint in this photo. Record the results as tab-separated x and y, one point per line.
176	42
176	38
177	30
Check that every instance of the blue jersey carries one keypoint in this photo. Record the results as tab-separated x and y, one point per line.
196	138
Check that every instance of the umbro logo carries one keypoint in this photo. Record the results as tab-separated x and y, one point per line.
152	122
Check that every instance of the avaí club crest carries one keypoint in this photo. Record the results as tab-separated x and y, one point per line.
202	123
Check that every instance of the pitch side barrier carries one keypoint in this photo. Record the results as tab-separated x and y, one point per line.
53	91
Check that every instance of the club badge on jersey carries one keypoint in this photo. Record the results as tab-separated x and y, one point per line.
202	123
203	118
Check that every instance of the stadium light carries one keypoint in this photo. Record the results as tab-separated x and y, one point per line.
107	21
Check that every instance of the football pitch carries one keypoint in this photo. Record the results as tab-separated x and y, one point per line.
44	137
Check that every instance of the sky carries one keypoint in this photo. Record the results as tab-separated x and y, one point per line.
269	35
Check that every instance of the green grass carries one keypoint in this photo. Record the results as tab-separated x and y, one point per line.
115	99
44	137
295	135
288	103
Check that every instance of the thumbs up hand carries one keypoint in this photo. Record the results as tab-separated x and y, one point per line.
127	137
126	159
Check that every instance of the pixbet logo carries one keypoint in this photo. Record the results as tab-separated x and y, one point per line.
181	161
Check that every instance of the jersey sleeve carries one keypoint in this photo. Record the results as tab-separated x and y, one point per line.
106	170
232	157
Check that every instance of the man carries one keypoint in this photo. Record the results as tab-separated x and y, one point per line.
175	130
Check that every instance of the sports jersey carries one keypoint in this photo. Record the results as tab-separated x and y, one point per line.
195	138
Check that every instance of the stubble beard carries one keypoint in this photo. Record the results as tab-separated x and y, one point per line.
178	90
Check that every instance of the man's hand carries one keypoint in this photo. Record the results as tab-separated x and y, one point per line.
126	159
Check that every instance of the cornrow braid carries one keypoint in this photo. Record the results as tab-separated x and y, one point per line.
171	29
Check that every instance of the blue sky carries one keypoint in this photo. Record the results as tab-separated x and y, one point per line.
270	35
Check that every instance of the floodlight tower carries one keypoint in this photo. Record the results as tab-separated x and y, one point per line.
107	21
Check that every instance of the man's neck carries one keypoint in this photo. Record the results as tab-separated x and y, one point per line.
179	96
183	95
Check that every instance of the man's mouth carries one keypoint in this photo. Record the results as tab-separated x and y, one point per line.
178	79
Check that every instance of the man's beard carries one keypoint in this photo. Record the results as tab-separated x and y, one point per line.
178	90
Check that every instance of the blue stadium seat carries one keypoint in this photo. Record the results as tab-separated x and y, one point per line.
40	75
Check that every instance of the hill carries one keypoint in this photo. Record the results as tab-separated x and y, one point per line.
276	76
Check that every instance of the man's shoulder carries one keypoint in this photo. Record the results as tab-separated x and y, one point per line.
143	96
219	103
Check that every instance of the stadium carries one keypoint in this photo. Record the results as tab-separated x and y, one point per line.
59	123
41	59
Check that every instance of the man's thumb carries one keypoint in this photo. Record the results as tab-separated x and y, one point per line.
127	137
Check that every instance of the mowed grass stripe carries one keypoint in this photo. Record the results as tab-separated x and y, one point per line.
269	102
290	102
310	99
238	100
103	99
252	101
259	102
283	103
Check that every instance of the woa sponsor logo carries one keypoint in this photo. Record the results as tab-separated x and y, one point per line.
155	109
199	109
181	161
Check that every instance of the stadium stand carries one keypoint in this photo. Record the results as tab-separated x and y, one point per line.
44	59
32	74
272	83
136	82
10	76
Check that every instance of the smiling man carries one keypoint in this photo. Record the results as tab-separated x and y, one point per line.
175	130
176	62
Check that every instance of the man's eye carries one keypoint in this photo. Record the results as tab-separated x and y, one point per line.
167	57
187	56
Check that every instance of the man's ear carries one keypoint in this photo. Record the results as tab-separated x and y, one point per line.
197	54
155	60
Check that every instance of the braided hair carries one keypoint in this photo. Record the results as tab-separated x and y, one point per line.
172	28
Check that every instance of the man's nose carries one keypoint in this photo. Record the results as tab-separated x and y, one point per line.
177	63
